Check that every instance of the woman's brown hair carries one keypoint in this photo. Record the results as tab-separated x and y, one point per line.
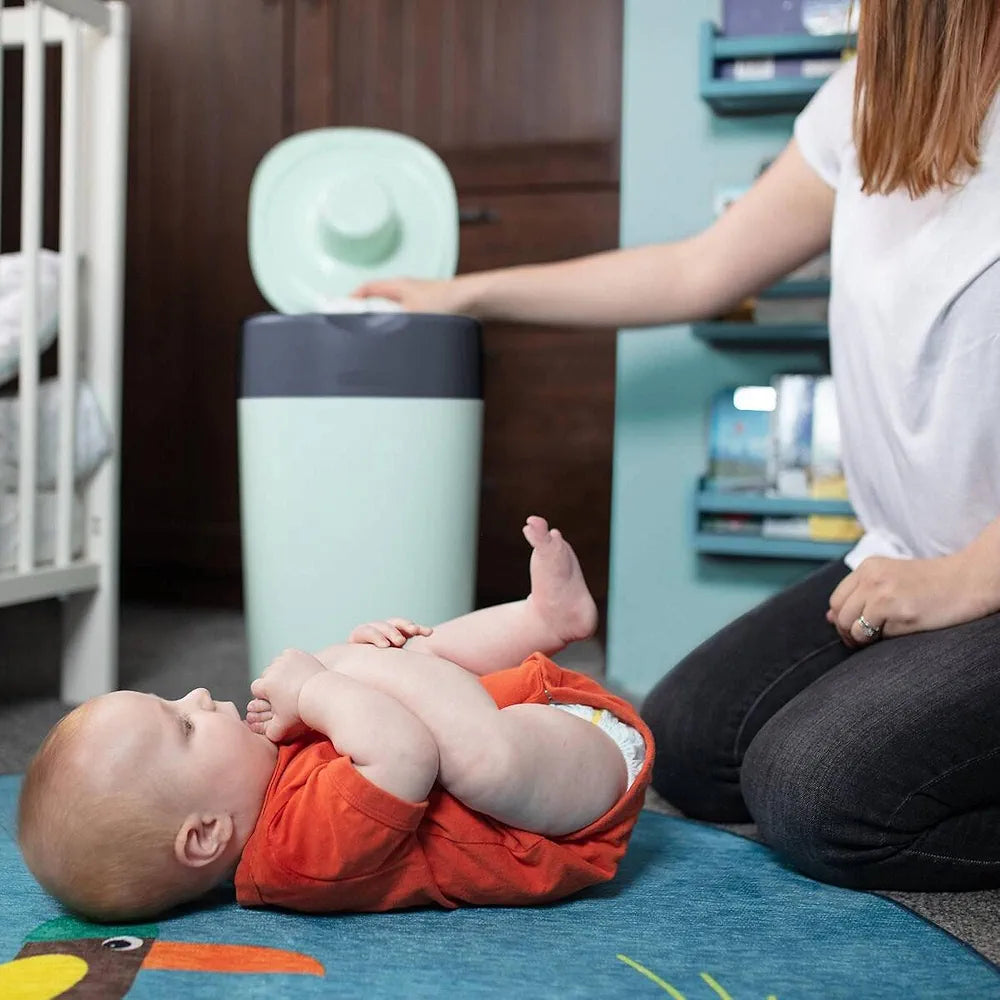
928	71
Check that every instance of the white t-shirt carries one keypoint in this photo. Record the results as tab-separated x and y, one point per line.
914	341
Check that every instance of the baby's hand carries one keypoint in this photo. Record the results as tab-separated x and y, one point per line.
393	632
274	711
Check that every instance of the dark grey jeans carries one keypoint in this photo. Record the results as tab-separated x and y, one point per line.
873	769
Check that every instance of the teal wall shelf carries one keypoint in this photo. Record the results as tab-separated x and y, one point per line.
726	334
777	96
768	548
709	501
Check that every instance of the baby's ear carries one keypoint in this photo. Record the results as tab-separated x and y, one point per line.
202	839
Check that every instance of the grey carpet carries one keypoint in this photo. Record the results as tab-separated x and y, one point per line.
172	650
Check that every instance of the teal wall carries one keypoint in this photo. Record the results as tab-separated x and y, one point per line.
664	599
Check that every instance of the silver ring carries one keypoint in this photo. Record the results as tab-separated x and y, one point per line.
872	631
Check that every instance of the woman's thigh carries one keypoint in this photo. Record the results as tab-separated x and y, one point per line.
704	712
885	772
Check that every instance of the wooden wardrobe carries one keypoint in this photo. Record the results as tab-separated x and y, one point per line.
522	100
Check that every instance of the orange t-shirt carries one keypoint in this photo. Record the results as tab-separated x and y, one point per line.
328	839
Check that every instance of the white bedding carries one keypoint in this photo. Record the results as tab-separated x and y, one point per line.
45	530
93	439
12	306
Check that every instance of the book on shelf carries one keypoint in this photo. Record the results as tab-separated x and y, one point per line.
788	17
731	524
791	310
791	450
739	439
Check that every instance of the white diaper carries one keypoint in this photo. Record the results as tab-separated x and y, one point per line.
629	739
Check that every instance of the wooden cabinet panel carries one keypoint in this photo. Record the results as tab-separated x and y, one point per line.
462	73
206	104
511	228
549	394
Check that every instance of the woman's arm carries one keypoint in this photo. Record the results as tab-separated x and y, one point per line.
783	221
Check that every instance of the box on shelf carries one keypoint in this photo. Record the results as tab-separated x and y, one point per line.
826	474
788	17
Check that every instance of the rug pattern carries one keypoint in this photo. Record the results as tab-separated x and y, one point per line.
694	914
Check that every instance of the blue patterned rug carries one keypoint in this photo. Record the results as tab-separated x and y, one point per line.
694	914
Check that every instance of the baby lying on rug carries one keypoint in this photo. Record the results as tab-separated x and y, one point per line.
467	768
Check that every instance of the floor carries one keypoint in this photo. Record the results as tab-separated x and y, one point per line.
170	650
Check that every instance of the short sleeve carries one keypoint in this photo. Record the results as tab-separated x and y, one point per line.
824	129
339	825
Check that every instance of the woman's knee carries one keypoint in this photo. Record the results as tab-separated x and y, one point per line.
813	807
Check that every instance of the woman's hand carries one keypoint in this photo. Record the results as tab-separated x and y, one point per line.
417	295
274	710
899	596
393	632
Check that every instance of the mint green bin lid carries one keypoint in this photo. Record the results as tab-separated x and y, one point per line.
333	208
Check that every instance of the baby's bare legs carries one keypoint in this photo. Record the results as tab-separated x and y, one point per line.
559	610
530	766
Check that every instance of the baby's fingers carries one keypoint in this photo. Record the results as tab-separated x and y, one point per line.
409	628
371	635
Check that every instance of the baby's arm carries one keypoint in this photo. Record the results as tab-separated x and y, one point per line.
386	742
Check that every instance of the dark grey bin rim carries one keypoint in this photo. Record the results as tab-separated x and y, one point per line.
387	355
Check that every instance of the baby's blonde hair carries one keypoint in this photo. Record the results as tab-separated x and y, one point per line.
108	856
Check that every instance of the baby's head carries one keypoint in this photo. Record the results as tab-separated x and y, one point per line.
134	804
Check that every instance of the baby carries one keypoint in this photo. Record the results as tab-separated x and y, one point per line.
466	767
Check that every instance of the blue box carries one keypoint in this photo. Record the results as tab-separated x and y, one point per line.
785	17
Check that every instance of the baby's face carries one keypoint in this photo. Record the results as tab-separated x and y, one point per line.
199	751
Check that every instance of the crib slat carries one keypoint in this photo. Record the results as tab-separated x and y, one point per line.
31	232
69	315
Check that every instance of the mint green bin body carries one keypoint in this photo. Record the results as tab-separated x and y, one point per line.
359	442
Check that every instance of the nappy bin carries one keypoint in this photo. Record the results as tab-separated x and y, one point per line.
359	428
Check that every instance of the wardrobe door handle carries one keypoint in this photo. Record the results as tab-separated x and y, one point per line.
479	216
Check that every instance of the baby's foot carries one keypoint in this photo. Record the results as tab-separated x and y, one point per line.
559	592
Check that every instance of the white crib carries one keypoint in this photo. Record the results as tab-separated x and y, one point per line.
92	39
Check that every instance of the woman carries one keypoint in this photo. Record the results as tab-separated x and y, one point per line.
855	717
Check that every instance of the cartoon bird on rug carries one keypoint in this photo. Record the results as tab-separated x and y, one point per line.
100	962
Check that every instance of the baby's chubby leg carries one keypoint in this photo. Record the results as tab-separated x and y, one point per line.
530	766
543	770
